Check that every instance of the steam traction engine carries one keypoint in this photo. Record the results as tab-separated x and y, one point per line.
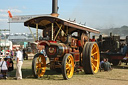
66	44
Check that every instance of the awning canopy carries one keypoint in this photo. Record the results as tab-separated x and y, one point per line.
45	21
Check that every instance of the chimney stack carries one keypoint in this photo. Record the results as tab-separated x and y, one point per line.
55	8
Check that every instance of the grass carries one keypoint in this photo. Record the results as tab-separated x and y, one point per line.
27	72
50	74
117	76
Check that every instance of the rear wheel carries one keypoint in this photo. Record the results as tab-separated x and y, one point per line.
38	65
68	66
91	58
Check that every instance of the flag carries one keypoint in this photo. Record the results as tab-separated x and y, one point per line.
10	15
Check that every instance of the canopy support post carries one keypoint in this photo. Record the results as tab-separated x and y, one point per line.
58	30
36	31
32	33
67	30
52	30
89	35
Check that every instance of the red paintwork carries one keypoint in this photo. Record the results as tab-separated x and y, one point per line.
50	41
79	43
76	55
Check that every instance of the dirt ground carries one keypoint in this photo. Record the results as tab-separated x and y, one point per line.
118	76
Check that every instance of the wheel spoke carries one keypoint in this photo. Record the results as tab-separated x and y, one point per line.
93	47
43	71
38	71
69	60
67	67
95	60
67	72
93	65
37	65
94	53
38	60
42	65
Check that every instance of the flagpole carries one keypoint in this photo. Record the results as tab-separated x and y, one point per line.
9	28
10	16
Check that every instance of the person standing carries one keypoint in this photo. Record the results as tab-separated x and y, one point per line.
3	68
9	64
25	56
44	52
19	62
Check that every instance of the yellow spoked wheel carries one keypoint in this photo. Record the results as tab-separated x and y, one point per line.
91	58
68	66
39	65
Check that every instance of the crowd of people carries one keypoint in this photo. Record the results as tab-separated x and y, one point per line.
6	63
6	66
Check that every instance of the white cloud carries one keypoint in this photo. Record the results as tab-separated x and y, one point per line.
16	10
3	10
12	10
3	20
24	7
4	15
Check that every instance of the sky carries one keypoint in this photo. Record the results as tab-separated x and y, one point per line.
101	14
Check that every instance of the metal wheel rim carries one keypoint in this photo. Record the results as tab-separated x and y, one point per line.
69	66
40	65
95	58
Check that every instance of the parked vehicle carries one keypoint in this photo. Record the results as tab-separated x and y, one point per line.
113	48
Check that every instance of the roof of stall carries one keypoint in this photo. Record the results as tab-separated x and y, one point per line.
45	21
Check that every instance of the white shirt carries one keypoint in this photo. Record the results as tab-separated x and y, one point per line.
4	65
19	55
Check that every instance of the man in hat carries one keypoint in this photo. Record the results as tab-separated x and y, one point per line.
19	62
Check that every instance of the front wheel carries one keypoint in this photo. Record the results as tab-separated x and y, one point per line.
68	66
38	65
